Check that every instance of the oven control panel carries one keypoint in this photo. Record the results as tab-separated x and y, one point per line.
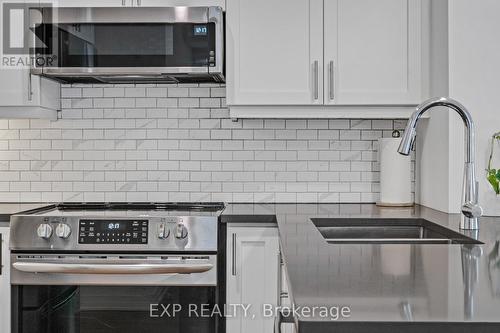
117	231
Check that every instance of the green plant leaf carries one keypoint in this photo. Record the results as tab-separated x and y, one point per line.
498	175
494	183
492	172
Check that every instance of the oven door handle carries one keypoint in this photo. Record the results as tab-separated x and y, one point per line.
62	268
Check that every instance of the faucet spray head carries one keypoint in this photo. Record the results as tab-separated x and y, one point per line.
408	139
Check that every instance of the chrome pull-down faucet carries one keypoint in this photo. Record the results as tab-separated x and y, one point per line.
471	211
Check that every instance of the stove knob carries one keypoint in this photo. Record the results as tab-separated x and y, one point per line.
163	231
181	231
44	231
63	230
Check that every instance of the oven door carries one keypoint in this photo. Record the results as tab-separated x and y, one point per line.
93	294
126	44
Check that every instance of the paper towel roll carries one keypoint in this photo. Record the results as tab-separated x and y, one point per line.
395	174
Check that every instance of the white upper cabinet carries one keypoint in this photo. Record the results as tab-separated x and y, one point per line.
274	52
326	58
373	52
22	95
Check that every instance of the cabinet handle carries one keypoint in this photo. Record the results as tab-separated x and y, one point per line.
279	279
1	253
277	323
139	3
233	268
124	2
332	81
30	87
282	318
316	79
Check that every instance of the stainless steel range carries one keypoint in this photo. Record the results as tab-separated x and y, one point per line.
113	267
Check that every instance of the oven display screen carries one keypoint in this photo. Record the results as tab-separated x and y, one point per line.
115	226
113	232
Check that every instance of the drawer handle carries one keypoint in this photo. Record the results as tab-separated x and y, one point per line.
233	268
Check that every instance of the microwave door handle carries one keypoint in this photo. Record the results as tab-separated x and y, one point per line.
75	268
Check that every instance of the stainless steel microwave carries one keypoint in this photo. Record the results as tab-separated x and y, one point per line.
129	45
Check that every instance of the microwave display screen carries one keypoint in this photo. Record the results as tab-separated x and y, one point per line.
200	30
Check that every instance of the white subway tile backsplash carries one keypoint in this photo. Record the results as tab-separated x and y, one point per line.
339	124
145	102
71	92
371	135
350	135
178	92
124	102
170	142
92	92
218	92
135	92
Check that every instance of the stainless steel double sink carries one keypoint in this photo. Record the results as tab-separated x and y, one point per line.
387	231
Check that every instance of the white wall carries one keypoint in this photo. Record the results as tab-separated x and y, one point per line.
432	147
464	65
474	54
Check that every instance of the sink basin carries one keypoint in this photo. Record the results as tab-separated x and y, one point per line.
388	231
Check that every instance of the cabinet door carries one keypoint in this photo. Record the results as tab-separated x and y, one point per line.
373	52
14	76
21	93
5	282
274	52
15	87
252	276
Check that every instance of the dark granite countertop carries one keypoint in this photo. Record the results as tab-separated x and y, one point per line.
387	287
249	213
8	209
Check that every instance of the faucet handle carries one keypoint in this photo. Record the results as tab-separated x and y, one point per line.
472	210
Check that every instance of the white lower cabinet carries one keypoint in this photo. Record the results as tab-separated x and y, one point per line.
256	276
5	282
252	276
